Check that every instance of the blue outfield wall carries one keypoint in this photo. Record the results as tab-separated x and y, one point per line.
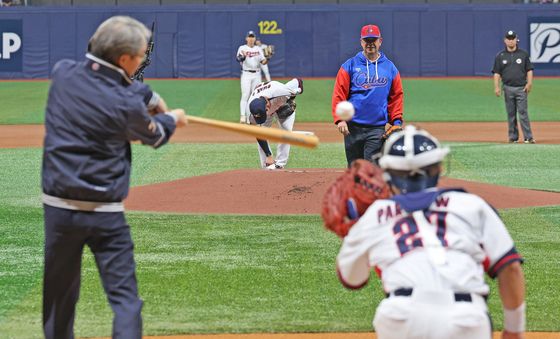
311	40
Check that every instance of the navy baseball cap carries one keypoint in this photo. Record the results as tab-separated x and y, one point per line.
257	107
251	33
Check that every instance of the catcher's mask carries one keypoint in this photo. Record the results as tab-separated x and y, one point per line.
257	107
411	159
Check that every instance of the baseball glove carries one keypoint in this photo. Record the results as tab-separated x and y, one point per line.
268	51
392	129
347	199
286	109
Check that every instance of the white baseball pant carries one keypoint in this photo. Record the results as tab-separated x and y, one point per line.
282	150
249	80
265	72
432	314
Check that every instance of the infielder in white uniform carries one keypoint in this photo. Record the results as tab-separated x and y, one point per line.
430	247
272	100
251	59
264	68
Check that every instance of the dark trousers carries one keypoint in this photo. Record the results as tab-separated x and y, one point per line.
516	103
108	237
363	142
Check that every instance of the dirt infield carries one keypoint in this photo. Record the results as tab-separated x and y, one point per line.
293	191
12	136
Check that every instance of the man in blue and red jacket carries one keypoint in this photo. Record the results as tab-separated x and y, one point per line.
372	83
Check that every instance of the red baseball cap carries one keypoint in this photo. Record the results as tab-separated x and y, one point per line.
370	31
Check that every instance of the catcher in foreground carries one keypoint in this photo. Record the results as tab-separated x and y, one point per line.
430	246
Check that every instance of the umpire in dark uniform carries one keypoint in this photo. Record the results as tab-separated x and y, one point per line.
93	112
513	66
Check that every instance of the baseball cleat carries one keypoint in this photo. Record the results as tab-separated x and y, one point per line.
274	167
530	141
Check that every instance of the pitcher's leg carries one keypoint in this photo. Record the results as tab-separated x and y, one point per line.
283	150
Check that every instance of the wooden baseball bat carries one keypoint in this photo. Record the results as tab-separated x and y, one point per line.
271	134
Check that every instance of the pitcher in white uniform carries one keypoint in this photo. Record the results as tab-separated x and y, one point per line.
269	101
251	59
430	247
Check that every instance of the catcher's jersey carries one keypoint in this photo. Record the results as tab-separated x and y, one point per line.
253	57
447	244
277	92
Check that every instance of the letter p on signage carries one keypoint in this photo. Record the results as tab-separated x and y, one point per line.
11	45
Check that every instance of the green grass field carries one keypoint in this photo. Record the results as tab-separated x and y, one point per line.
469	99
223	273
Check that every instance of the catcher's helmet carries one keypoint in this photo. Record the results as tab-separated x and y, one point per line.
408	157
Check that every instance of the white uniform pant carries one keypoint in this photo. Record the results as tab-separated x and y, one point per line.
433	315
282	150
265	72
249	81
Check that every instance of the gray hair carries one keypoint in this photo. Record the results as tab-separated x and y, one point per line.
118	35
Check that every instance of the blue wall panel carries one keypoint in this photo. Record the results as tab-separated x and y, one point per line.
36	45
325	60
61	37
406	53
218	45
299	44
433	43
310	40
190	45
460	43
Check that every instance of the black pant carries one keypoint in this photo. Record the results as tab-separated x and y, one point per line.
363	142
108	237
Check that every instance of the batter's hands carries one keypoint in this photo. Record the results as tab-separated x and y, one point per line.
497	91
343	128
181	117
510	335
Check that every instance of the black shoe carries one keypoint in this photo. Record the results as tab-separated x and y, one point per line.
513	141
530	141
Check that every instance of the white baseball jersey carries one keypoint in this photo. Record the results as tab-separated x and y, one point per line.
277	92
446	247
253	57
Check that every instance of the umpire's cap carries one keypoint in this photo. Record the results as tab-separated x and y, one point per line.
510	35
257	107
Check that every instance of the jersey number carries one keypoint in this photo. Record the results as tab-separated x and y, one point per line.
406	231
269	27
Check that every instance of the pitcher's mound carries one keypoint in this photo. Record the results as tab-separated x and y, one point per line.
294	191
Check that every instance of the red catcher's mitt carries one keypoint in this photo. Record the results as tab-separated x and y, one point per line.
347	199
392	129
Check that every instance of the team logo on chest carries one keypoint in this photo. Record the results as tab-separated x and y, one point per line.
361	79
518	61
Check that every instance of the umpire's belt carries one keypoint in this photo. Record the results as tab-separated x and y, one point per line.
407	292
250	71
